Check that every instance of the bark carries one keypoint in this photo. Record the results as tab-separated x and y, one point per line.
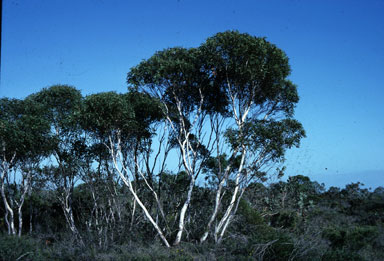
66	203
68	213
240	116
183	211
139	172
215	211
228	212
133	213
218	198
66	197
189	156
8	210
128	183
8	213
26	188
230	217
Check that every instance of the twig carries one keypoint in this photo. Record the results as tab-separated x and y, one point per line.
23	255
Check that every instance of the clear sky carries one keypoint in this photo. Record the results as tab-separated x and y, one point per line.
336	50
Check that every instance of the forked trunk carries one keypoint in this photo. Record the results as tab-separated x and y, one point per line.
128	183
68	213
221	227
9	215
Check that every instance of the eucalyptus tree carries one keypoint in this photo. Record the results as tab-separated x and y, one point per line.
251	74
234	86
176	77
24	143
62	105
122	122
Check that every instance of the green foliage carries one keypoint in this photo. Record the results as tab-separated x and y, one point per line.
251	215
251	236
341	255
255	69
62	104
285	219
270	136
147	110
44	209
214	167
353	238
105	113
262	241
347	243
173	75
23	129
12	248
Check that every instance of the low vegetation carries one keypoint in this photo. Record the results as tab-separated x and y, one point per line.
272	223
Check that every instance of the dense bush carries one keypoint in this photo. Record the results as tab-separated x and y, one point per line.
325	231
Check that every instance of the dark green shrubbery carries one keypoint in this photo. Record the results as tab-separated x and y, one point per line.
27	248
346	243
323	231
12	248
253	238
285	219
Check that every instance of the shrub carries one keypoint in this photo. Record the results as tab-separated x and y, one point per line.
285	219
13	247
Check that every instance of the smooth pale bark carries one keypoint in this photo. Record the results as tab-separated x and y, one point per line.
183	211
230	217
137	170
8	210
128	183
20	204
97	215
133	212
218	198
189	157
68	213
228	212
187	165
66	198
219	195
216	125
164	146
240	117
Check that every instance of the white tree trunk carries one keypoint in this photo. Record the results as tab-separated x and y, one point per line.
9	215
128	183
215	211
68	213
218	198
183	211
26	188
224	220
8	210
230	217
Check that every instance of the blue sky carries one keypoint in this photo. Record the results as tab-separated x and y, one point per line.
335	50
